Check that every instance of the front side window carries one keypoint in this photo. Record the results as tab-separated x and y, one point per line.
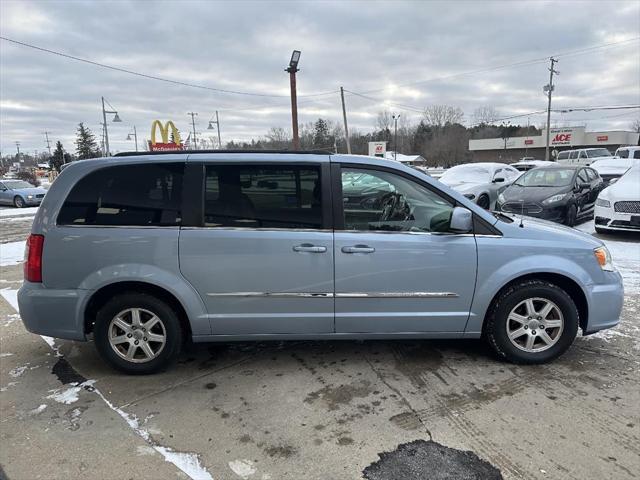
126	195
380	201
622	153
263	196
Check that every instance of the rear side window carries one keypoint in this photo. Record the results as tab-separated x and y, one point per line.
263	196
126	195
623	153
636	154
563	155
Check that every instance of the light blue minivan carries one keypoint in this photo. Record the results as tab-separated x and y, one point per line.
141	252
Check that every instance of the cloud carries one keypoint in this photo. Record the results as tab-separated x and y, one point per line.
407	53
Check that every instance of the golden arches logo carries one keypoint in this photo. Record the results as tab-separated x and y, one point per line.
164	134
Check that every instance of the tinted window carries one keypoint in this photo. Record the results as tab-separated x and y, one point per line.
263	196
375	200
132	195
573	154
636	154
623	153
563	155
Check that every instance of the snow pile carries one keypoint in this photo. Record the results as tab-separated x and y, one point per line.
18	212
11	253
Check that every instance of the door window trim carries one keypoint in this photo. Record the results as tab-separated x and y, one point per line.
196	194
338	213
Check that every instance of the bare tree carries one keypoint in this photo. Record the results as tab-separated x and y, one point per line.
441	115
485	115
384	120
278	137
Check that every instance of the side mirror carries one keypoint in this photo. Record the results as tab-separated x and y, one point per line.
461	220
498	180
584	186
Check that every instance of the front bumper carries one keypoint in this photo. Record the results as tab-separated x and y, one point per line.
606	217
605	303
32	201
54	313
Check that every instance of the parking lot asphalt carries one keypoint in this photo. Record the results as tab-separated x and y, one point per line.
321	410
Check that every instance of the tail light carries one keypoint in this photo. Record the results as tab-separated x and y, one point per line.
33	258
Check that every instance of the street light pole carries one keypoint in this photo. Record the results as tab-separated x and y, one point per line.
210	127
116	119
292	69
395	136
135	137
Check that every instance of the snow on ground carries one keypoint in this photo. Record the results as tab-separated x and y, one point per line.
11	253
15	212
625	253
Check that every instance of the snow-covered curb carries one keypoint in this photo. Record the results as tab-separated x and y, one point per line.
18	212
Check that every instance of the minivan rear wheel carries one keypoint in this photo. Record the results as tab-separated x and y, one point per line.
137	333
532	322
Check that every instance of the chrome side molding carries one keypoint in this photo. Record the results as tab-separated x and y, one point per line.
337	295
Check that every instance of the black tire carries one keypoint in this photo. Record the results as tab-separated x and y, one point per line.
170	323
496	325
484	202
18	201
570	219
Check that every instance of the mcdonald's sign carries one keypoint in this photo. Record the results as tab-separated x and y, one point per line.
166	144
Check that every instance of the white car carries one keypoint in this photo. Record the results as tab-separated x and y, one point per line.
628	152
618	206
480	182
583	156
526	165
613	168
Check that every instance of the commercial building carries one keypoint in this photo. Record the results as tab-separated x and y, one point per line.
567	138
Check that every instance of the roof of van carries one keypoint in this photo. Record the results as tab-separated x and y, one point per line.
189	152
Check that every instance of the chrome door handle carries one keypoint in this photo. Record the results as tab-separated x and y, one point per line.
358	249
308	247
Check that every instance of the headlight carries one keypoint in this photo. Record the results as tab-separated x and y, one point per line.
29	197
601	202
501	198
555	198
604	258
470	196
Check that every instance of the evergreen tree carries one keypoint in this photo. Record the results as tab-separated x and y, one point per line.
321	137
86	146
58	158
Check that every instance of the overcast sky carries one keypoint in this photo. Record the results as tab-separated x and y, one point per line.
397	53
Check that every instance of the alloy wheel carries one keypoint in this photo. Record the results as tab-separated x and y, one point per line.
535	325
137	335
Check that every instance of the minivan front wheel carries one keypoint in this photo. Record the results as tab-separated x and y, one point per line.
137	333
532	322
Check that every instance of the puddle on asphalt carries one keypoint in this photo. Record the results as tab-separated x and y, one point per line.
428	460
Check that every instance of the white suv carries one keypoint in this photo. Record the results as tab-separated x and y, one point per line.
628	152
583	156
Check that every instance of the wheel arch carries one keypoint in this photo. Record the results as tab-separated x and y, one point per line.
100	297
567	284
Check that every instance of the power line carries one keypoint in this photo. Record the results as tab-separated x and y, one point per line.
154	77
510	65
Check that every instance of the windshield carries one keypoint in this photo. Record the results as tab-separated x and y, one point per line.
598	152
467	173
546	177
15	184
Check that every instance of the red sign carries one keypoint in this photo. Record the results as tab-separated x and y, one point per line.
163	147
603	138
561	138
528	142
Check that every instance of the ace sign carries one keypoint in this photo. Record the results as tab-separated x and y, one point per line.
377	149
566	136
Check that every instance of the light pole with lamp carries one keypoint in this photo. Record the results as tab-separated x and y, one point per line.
395	136
210	127
116	119
292	69
135	137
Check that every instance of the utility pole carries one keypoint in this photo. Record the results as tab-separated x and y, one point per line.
292	69
193	123
549	89
218	125
395	136
18	148
46	135
346	128
116	119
